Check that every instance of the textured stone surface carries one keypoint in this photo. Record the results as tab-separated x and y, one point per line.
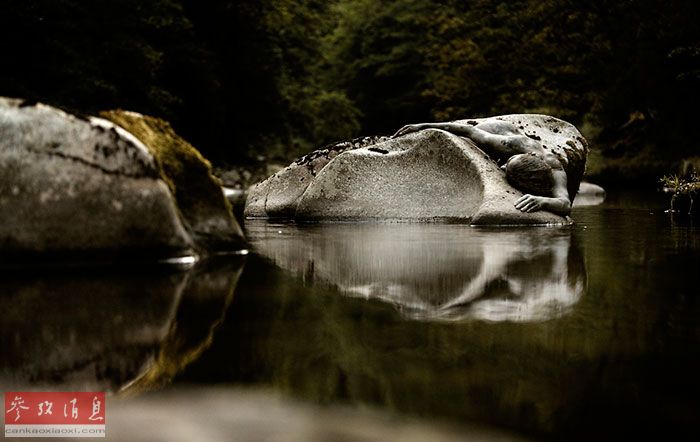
429	175
279	195
72	185
200	198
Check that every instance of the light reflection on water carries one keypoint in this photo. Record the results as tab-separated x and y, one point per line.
108	328
436	271
588	332
600	339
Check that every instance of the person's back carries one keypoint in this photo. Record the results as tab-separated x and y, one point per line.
537	170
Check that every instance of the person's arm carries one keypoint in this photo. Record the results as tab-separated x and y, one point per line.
558	203
493	144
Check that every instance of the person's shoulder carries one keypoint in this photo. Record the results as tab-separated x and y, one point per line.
523	144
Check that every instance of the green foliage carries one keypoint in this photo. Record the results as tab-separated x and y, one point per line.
316	112
69	51
375	56
274	78
520	56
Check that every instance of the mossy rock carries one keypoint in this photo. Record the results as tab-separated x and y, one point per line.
81	189
206	212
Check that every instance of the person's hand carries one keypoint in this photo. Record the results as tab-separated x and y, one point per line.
529	203
407	129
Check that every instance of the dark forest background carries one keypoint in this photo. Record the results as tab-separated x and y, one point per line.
265	80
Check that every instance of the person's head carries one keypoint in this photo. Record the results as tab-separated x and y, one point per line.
529	173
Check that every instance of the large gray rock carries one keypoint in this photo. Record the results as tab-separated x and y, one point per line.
70	185
279	195
200	199
429	175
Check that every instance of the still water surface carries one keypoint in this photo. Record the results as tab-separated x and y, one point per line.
590	330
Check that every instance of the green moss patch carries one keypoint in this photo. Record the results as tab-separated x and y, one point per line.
189	176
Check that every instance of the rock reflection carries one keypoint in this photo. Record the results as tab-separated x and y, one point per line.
101	329
436	271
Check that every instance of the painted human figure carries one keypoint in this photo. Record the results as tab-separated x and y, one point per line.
530	166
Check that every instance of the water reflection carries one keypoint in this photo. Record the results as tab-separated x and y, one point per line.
97	329
622	363
436	271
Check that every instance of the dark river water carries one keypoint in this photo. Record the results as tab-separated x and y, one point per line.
585	331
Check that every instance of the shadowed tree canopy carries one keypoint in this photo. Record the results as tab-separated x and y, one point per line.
252	79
